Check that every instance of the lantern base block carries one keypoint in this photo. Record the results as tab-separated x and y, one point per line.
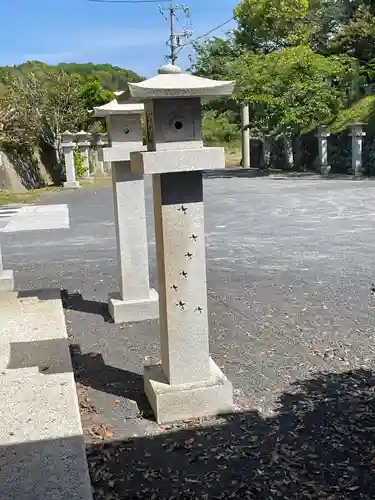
7	281
180	402
133	310
325	169
72	185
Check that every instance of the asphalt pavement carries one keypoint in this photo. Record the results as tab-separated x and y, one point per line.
290	270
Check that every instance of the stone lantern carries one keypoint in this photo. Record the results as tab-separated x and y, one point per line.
187	383
67	145
83	143
357	136
136	301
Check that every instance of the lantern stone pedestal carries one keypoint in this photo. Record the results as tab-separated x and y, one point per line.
67	145
135	301
187	383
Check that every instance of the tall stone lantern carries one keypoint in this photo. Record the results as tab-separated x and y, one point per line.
136	301
187	383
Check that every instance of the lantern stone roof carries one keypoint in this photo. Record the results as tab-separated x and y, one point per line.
172	83
116	108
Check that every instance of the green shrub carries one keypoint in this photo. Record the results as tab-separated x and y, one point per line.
361	111
79	163
218	129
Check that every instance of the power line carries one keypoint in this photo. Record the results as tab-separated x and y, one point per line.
205	35
209	32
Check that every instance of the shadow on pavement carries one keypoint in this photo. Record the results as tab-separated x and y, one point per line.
75	302
234	172
240	172
91	371
49	468
320	445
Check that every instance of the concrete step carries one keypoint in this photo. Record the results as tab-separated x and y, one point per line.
42	451
31	328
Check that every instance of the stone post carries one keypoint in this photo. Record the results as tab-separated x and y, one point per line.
322	136
266	151
6	278
106	164
136	301
67	146
97	164
245	122
357	136
83	143
187	383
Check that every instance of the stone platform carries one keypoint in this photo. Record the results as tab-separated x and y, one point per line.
42	452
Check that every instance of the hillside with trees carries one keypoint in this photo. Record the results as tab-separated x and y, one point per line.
110	77
39	102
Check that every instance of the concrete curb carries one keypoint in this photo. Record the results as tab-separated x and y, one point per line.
42	450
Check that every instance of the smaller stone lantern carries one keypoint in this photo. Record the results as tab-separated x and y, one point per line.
136	301
187	383
67	145
357	134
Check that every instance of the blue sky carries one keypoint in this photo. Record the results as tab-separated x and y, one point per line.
127	35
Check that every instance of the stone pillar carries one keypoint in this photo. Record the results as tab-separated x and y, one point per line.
322	136
357	136
245	122
97	164
106	164
6	277
187	383
83	143
136	301
68	151
266	151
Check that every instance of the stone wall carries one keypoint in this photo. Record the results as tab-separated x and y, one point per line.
21	170
306	153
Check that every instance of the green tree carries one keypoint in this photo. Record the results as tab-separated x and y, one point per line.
45	106
93	94
215	57
356	39
267	25
292	90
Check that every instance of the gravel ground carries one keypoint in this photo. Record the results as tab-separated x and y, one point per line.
290	279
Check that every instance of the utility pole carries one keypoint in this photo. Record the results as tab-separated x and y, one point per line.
176	38
173	38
